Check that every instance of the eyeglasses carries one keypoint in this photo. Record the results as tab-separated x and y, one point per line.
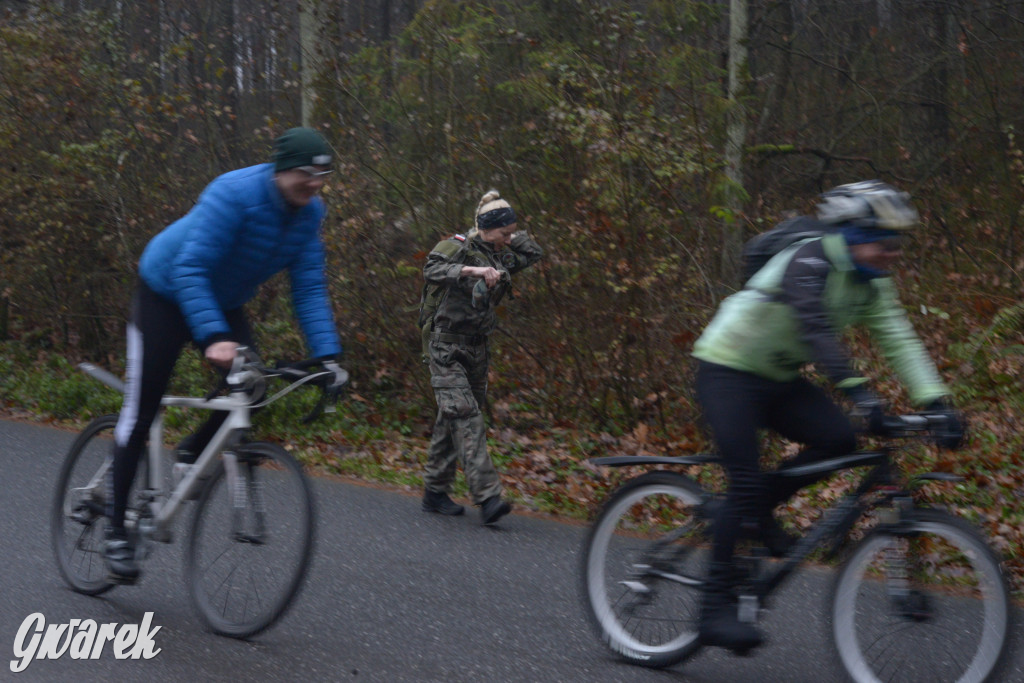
314	172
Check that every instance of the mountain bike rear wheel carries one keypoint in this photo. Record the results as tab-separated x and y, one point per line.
643	567
251	539
923	600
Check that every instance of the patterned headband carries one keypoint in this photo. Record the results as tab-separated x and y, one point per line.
496	218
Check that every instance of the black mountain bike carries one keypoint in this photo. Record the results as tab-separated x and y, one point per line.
921	597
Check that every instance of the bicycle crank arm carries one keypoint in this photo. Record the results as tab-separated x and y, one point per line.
668	576
636	587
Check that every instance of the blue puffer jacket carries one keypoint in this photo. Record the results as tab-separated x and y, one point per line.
239	234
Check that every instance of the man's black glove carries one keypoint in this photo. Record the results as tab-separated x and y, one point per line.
870	407
952	435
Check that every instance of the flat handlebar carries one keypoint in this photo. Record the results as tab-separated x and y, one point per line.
913	423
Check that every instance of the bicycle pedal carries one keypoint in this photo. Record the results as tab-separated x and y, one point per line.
119	580
748	609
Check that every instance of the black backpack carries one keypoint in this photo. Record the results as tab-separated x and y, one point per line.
759	249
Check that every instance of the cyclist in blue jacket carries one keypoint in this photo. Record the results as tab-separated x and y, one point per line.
194	278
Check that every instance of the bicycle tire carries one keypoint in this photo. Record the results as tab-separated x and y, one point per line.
77	516
647	619
240	580
941	614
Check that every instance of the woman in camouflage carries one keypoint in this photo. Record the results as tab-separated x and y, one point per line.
466	277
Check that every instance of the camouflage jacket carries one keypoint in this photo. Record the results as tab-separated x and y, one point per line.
456	311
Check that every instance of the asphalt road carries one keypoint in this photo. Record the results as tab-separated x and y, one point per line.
393	595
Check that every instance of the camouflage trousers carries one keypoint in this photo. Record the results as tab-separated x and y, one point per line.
458	375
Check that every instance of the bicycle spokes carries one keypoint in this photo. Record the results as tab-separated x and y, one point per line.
644	565
252	533
923	600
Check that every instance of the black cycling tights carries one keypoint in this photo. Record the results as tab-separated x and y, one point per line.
156	335
737	405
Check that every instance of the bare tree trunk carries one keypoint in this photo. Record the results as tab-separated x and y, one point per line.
309	32
736	135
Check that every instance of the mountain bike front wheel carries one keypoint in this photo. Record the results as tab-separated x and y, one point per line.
921	600
644	563
251	540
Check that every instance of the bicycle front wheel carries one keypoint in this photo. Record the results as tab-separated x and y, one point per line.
925	600
643	567
251	539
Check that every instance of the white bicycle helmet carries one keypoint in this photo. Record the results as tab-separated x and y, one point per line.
868	204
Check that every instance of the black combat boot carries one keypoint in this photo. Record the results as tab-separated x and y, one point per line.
440	503
493	509
719	621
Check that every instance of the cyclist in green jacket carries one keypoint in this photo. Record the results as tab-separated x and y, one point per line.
750	357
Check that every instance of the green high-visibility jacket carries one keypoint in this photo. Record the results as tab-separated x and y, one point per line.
792	313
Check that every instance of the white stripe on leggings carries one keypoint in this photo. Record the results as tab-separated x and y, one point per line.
132	389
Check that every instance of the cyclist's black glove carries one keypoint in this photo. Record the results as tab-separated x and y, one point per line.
952	436
870	407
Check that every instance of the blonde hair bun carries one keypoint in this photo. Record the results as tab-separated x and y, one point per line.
492	212
491	201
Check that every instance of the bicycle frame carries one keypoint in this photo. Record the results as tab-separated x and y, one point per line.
164	512
829	531
835	522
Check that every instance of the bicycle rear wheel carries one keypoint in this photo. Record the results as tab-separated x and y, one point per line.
923	601
78	508
251	539
643	568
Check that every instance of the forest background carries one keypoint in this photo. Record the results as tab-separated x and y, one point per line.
640	142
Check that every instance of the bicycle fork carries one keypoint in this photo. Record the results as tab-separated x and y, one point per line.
244	486
898	560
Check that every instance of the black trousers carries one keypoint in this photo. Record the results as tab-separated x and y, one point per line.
156	335
737	406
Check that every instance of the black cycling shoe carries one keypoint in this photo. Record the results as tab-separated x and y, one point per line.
119	552
720	627
185	452
719	624
441	504
493	509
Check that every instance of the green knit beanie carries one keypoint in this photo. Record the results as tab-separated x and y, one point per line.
301	147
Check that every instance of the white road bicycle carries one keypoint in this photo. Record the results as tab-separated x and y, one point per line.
250	539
